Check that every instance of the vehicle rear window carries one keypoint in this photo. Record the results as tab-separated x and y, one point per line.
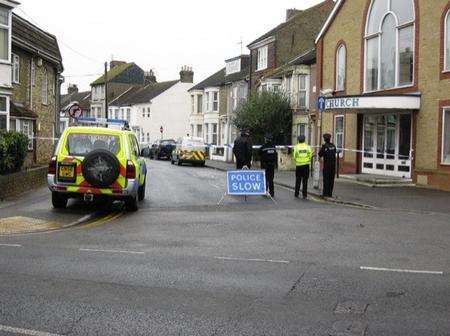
79	144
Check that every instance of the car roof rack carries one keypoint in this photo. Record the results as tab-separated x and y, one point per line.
103	122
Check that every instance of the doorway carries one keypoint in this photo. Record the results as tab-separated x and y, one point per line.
387	142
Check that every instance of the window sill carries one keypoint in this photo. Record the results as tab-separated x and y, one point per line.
390	89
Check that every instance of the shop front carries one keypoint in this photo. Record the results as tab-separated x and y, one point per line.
382	132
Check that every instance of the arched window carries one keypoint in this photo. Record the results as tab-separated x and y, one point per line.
389	44
447	42
341	54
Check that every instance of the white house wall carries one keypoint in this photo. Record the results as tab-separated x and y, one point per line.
171	110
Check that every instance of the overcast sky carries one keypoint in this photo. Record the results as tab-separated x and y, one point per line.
162	35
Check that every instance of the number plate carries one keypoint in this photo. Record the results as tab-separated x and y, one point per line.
67	172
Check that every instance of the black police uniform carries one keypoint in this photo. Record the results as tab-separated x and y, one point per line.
328	153
242	150
269	159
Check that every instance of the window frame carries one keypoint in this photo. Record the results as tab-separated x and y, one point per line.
337	88
215	101
199	104
445	110
6	111
378	35
335	135
446	31
305	90
15	68
32	72
262	58
44	87
9	30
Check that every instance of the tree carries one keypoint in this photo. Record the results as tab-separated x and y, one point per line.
266	113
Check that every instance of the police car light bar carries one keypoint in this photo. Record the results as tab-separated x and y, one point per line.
103	121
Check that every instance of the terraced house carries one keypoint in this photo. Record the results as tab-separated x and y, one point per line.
385	67
284	59
30	69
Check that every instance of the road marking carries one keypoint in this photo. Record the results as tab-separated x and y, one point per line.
27	332
398	270
11	245
111	251
103	220
257	260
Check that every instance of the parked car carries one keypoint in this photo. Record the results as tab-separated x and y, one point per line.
164	149
189	150
97	162
152	149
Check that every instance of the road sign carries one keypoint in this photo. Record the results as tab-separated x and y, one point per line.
161	129
321	102
246	182
75	111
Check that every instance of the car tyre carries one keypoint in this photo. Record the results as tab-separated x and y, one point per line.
179	162
202	164
59	201
131	204
141	192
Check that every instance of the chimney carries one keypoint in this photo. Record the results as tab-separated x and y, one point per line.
149	77
290	13
73	88
186	74
114	63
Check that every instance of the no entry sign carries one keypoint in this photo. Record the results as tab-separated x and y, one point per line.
246	182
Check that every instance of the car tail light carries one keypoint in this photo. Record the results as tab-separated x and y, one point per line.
52	166
131	170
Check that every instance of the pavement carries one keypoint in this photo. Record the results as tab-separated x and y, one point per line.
407	198
182	265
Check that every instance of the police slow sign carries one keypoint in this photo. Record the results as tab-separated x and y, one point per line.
246	182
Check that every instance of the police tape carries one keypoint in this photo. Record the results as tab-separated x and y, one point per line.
368	154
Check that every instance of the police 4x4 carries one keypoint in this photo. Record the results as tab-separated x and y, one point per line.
96	162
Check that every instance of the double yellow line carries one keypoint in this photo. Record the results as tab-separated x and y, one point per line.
103	220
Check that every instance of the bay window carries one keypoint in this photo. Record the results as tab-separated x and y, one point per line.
215	102
199	104
303	101
446	136
4	122
15	69
389	45
341	55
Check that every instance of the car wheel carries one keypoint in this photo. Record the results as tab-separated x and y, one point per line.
131	204
141	192
179	162
202	164
59	201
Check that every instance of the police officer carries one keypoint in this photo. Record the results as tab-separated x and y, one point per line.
302	157
242	150
328	153
269	159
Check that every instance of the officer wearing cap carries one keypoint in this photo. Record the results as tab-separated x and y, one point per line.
269	159
302	157
242	150
328	153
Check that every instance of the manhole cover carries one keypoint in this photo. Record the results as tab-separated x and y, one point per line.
351	307
19	224
348	328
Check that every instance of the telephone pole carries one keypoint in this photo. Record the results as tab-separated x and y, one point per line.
106	90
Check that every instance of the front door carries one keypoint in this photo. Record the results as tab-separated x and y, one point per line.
387	144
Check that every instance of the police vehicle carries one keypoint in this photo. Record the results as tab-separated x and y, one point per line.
95	161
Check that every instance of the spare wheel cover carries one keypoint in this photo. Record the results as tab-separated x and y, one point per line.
100	168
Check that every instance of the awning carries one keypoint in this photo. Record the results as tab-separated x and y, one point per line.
384	102
22	112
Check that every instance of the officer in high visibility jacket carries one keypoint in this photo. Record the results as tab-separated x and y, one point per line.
302	156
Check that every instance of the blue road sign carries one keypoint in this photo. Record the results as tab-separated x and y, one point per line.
246	182
321	103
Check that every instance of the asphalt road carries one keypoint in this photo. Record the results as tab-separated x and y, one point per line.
182	265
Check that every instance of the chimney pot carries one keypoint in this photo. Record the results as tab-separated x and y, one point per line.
73	88
186	74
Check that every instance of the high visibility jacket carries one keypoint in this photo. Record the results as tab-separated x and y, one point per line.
302	154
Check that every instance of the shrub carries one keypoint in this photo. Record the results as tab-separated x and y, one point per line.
266	112
13	150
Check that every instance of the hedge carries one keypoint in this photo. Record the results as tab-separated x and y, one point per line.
13	151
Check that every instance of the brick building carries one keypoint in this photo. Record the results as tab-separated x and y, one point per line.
384	67
284	59
121	77
36	67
